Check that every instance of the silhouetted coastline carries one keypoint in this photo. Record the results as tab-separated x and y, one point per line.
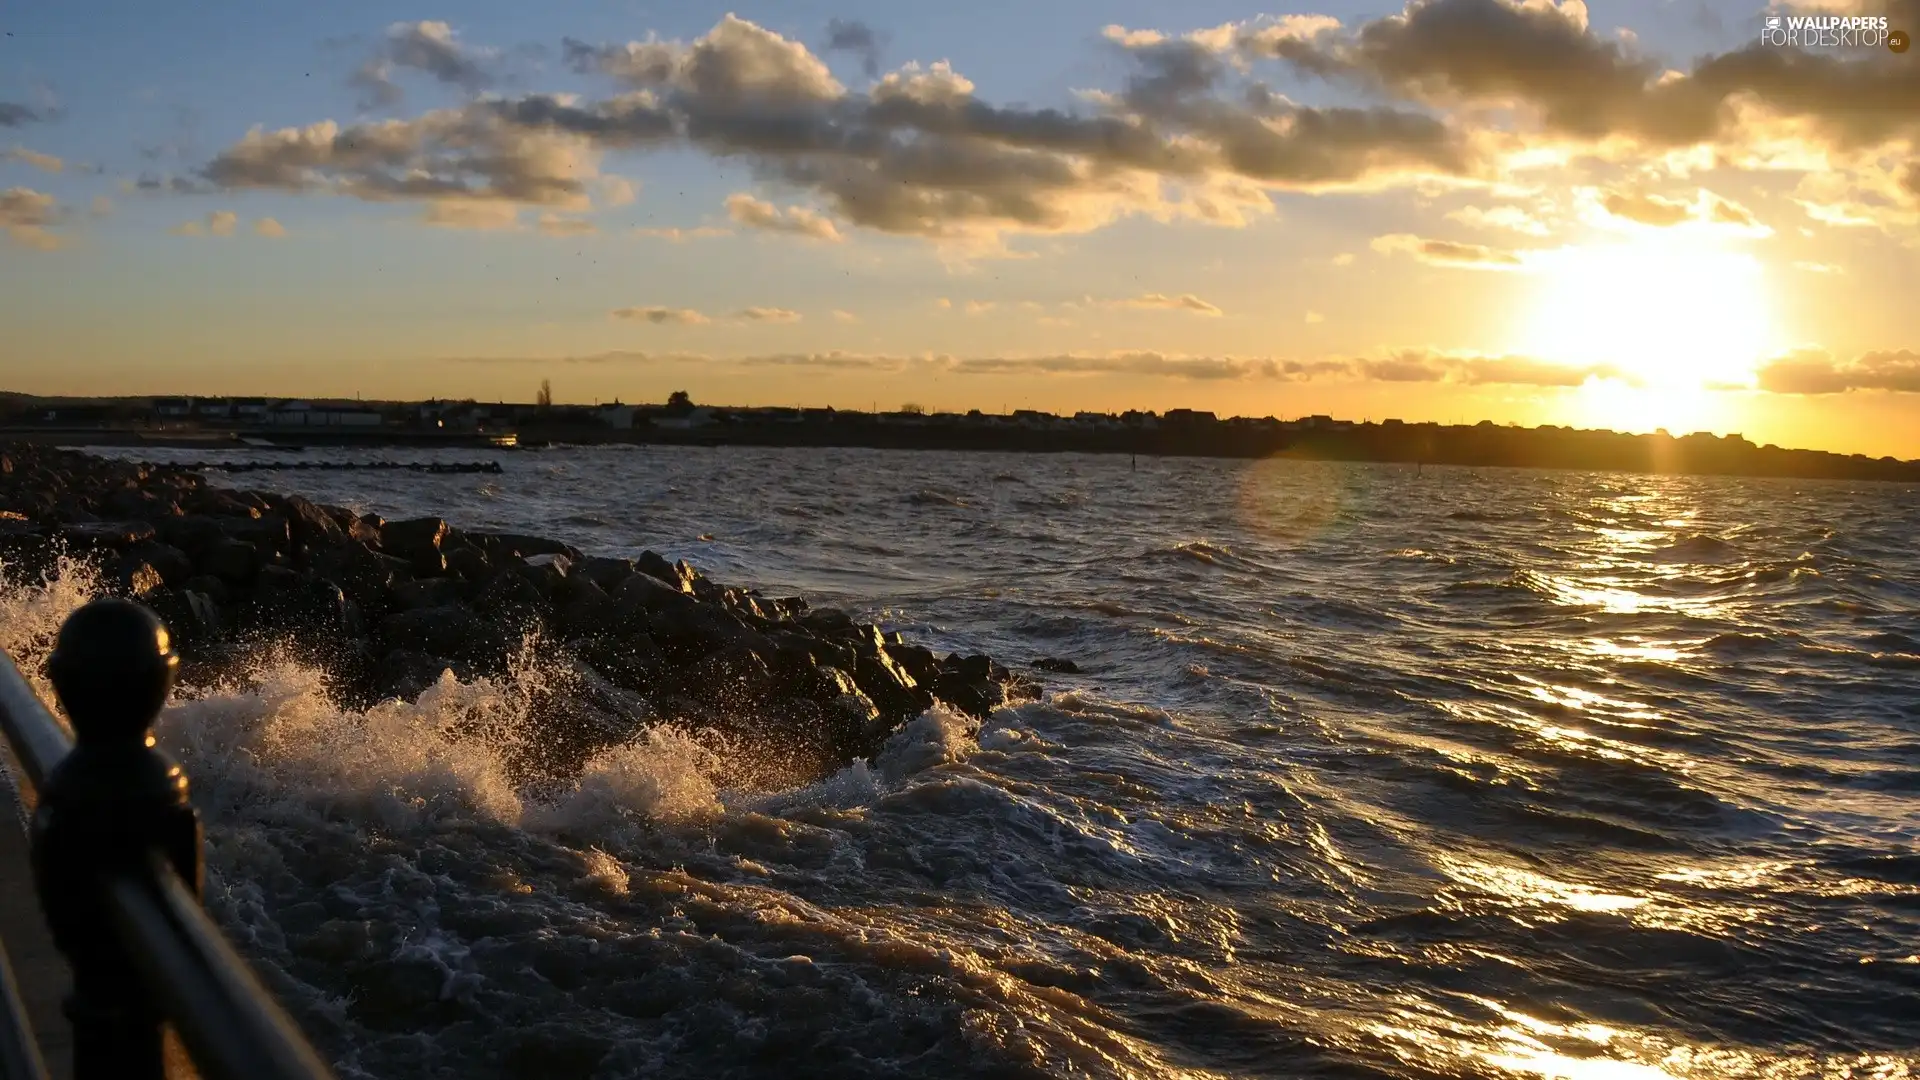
194	423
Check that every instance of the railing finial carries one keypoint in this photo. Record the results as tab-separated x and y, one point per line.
113	666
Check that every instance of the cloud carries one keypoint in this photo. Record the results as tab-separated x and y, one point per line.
844	316
1817	267
1345	258
1542	57
557	225
680	236
1447	252
852	36
26	215
222	222
1659	212
269	228
462	156
1816	372
1509	218
978	307
1405	366
430	47
660	316
917	154
101	207
14	114
754	213
767	314
1161	302
43	162
471	214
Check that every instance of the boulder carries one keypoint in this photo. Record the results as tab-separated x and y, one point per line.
193	618
469	561
607	573
172	563
365	575
272	535
210	587
302	603
1054	664
525	546
192	534
309	525
548	573
408	673
417	540
133	578
450	631
232	561
108	534
427	593
587	611
510	596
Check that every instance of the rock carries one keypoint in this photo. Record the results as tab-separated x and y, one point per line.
588	610
548	573
302	603
416	540
365	575
657	567
367	529
449	630
510	595
134	578
108	534
310	526
192	618
608	574
408	673
468	560
895	692
827	621
271	535
192	534
526	546
210	587
427	593
918	661
232	561
1063	667
173	564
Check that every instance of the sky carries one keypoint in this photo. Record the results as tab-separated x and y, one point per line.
1632	215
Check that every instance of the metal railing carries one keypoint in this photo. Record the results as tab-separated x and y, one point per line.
116	852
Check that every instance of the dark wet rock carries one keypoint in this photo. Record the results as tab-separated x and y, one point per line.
232	561
510	596
607	573
526	547
210	587
304	604
192	534
108	534
133	578
468	560
450	631
310	525
407	673
417	541
1058	666
172	564
587	610
365	575
427	593
827	621
272	535
548	573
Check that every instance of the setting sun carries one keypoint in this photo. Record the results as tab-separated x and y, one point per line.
1663	311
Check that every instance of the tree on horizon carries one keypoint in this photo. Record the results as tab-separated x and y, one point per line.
545	399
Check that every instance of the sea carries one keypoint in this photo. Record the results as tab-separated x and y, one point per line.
1367	771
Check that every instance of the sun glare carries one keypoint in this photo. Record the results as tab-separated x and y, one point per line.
1669	311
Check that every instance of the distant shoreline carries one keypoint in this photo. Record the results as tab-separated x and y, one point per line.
1409	444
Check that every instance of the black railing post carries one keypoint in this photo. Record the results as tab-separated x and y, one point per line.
105	809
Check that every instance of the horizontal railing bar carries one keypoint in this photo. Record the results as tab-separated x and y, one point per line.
230	1023
19	1053
39	741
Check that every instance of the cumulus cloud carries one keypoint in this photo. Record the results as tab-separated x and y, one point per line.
1161	302
1817	372
844	316
767	314
471	214
681	236
43	162
853	36
755	213
1508	218
27	215
1407	366
1447	252
15	114
1656	211
269	228
662	316
919	153
560	225
1543	57
429	47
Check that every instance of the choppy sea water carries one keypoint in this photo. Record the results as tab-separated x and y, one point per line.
1369	773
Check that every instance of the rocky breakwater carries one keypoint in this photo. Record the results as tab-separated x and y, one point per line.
600	648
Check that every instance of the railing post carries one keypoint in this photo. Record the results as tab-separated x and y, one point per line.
111	802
